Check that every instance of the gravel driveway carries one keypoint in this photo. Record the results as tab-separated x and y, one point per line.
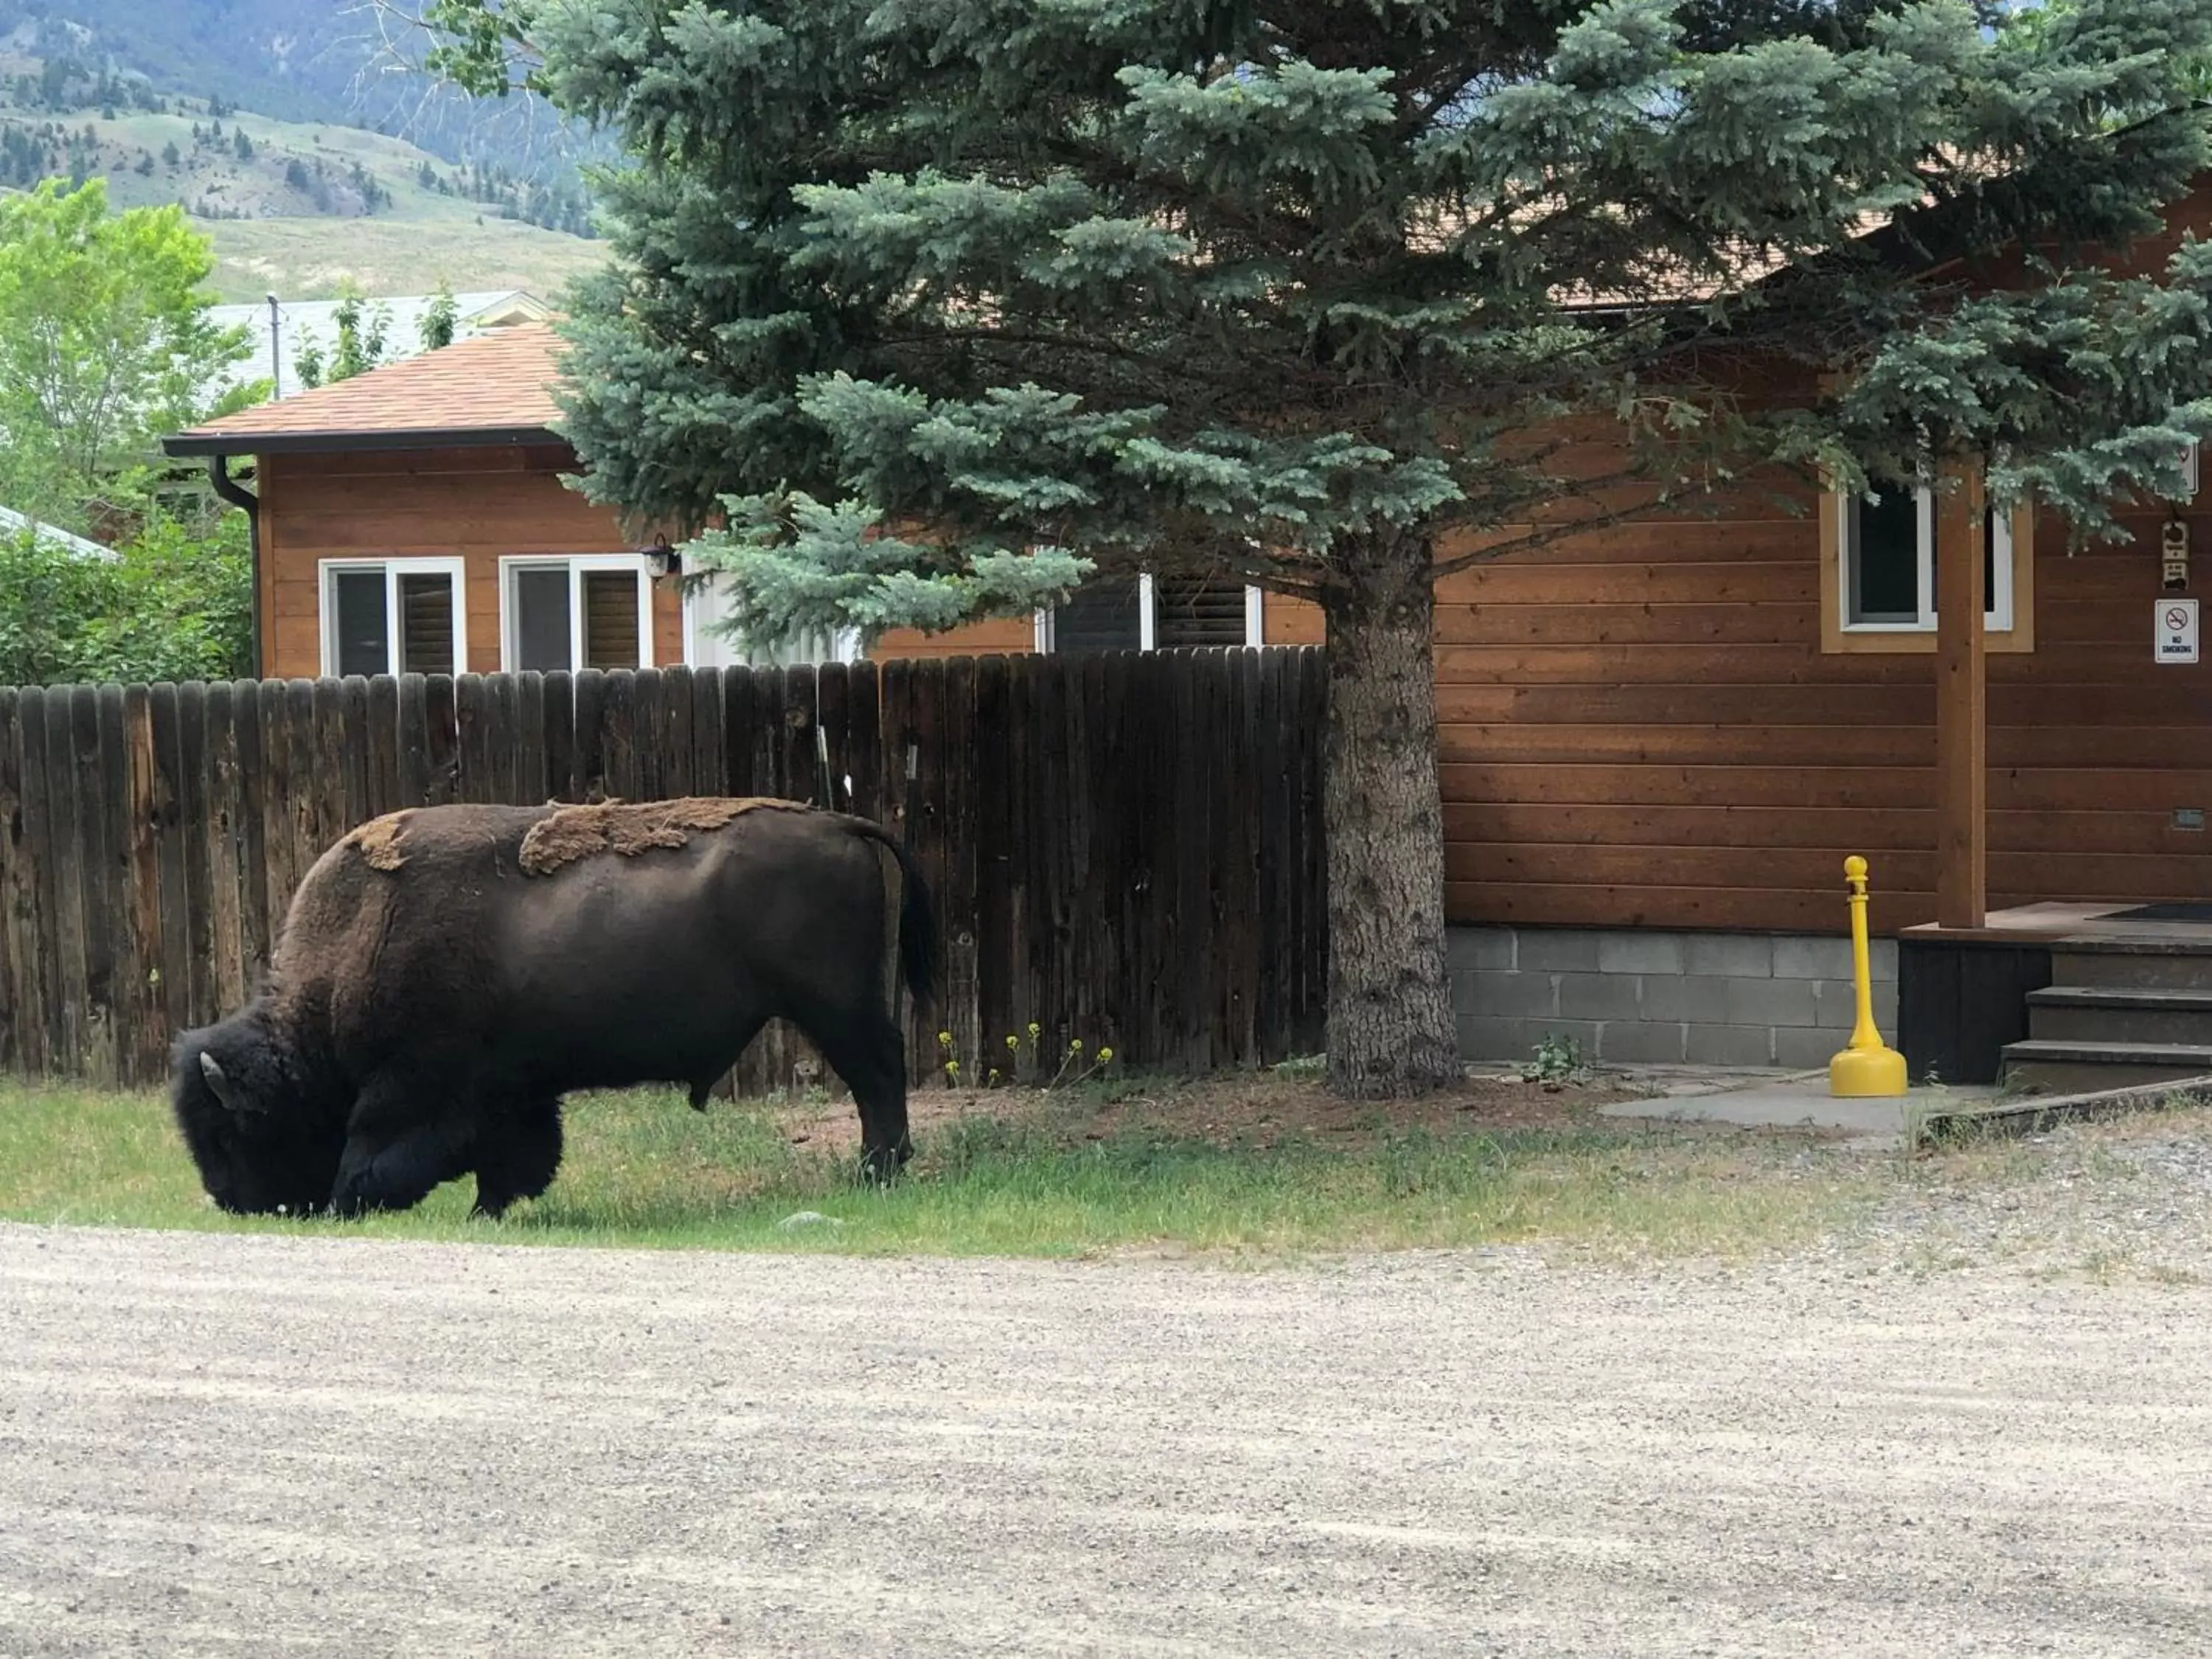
262	1445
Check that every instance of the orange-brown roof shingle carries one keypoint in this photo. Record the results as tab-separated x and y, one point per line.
496	386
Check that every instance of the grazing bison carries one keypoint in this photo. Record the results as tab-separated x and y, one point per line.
444	974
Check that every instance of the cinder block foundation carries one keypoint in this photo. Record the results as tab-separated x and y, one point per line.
1649	997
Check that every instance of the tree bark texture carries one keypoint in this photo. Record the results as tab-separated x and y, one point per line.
1390	1029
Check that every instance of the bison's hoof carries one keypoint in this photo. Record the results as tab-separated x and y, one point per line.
881	1167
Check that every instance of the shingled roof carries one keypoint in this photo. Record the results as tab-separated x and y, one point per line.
495	389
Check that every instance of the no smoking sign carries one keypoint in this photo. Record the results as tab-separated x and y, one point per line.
2177	630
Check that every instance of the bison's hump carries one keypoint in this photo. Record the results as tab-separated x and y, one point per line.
629	828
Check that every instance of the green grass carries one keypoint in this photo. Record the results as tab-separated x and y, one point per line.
644	1169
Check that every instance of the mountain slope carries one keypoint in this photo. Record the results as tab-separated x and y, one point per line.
294	208
306	61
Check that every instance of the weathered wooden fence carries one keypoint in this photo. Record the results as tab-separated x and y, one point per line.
1122	848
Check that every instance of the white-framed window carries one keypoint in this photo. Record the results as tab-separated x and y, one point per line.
592	611
1888	569
708	606
1153	613
394	616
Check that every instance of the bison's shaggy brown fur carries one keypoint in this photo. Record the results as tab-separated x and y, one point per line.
378	841
628	828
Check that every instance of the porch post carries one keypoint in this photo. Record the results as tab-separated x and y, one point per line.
1961	707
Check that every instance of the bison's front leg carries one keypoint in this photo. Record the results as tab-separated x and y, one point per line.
404	1141
517	1157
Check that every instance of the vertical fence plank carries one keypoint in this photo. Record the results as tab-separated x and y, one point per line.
168	807
223	848
442	740
710	769
339	777
1020	1003
503	713
22	1014
473	738
678	777
44	825
648	715
310	779
412	733
356	802
144	1041
896	750
618	736
249	848
1267	761
832	686
859	760
740	710
96	789
1052	932
561	778
592	779
795	765
195	821
1313	888
63	889
1087	966
953	774
270	779
533	784
382	711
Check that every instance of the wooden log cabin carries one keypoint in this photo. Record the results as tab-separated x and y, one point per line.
1659	741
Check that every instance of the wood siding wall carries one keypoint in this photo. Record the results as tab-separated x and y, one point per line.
1001	636
479	505
1639	728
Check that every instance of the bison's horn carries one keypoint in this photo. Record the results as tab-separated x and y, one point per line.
217	1081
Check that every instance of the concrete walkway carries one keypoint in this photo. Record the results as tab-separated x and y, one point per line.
1785	1100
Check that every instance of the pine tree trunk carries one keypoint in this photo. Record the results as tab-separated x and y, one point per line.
1390	1027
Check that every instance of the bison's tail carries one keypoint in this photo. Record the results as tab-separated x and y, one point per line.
917	929
917	920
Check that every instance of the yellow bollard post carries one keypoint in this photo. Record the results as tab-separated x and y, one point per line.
1865	1070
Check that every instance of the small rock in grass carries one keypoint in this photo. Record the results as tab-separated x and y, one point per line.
792	1224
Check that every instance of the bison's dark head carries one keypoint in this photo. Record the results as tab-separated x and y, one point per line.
260	1141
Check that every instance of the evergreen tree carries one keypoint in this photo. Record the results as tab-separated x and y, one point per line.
241	146
1313	296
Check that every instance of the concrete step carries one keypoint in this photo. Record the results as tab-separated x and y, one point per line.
2184	964
2050	1065
2120	1013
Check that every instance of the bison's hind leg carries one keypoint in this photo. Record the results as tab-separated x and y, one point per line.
866	1050
517	1154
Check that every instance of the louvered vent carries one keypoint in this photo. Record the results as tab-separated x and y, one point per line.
1189	612
426	624
610	619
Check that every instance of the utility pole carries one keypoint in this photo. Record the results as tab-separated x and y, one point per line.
275	360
